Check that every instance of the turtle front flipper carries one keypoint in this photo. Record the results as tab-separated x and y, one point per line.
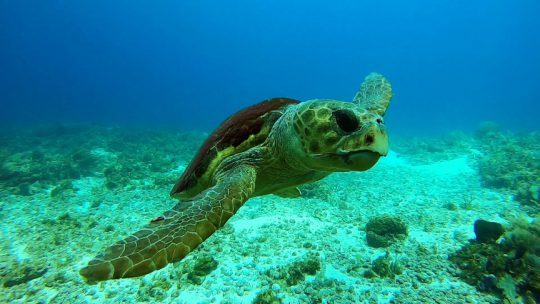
374	94
170	237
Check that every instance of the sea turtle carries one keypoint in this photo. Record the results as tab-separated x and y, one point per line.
271	147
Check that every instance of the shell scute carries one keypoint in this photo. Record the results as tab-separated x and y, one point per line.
245	129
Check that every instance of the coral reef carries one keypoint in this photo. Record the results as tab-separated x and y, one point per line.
69	152
62	188
23	275
267	297
487	129
384	231
423	150
84	161
510	268
384	267
512	162
487	231
297	271
203	267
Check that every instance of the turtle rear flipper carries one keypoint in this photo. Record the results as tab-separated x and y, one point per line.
292	192
170	237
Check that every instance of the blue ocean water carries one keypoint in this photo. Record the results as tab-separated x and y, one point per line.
190	63
104	104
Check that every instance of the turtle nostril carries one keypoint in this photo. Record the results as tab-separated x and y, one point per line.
379	121
369	139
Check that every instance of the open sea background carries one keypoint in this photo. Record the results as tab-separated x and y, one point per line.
103	104
189	64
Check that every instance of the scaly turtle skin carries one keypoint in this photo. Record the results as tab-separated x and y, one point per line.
272	147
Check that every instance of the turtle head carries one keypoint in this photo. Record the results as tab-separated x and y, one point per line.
345	136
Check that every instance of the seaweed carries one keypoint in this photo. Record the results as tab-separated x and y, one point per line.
508	287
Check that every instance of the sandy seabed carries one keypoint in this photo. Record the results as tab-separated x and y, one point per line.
46	240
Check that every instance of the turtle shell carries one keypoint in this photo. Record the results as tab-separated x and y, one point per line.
243	130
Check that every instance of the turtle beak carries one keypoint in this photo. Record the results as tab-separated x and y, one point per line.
380	144
372	139
361	160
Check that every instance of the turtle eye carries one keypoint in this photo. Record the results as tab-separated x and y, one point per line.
346	120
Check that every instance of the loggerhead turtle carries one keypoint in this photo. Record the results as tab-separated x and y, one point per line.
271	147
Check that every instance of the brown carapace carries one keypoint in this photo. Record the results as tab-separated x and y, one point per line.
249	126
